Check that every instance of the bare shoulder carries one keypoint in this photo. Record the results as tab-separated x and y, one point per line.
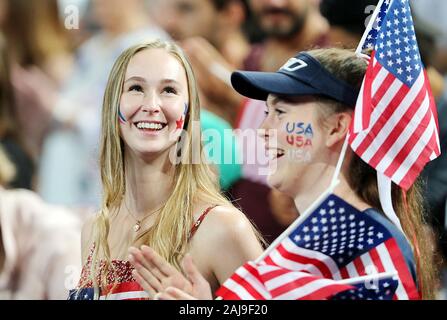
225	240
227	230
227	223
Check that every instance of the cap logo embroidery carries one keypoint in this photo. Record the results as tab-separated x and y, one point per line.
294	64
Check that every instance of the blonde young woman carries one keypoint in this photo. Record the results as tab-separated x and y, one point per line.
317	91
148	198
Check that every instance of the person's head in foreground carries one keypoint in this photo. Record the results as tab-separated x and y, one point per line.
310	104
150	133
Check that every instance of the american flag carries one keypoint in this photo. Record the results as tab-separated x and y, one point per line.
395	127
370	40
333	242
121	291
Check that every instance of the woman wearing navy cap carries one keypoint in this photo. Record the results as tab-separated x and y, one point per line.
310	104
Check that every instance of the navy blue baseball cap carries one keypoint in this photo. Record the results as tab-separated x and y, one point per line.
300	76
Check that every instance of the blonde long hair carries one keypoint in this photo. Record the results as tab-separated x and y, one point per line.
191	182
346	66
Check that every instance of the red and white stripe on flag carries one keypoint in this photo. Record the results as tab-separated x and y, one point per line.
386	257
395	127
269	282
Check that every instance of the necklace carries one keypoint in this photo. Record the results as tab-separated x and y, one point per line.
137	225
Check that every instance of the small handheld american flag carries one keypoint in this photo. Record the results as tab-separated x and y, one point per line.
332	242
395	127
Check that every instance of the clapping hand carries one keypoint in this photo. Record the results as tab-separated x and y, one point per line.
162	281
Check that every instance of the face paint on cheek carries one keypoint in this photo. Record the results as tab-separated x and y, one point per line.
121	118
299	136
130	103
175	135
181	122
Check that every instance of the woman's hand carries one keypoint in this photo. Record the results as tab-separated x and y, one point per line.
157	276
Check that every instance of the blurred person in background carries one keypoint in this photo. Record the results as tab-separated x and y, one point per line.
38	243
348	20
220	22
40	256
41	59
288	26
36	36
432	12
10	132
69	172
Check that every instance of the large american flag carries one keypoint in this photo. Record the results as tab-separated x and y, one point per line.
333	242
121	291
395	127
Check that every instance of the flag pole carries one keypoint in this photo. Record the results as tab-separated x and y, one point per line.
341	159
384	185
369	27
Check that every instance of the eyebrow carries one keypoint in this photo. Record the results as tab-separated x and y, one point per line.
272	101
170	81
141	79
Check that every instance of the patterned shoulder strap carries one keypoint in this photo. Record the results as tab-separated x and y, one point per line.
199	221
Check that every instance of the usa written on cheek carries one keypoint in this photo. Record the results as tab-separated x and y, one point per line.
299	134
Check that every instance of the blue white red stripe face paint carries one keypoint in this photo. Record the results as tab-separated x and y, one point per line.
121	118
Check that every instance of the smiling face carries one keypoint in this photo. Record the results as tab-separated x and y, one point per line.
153	104
294	143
